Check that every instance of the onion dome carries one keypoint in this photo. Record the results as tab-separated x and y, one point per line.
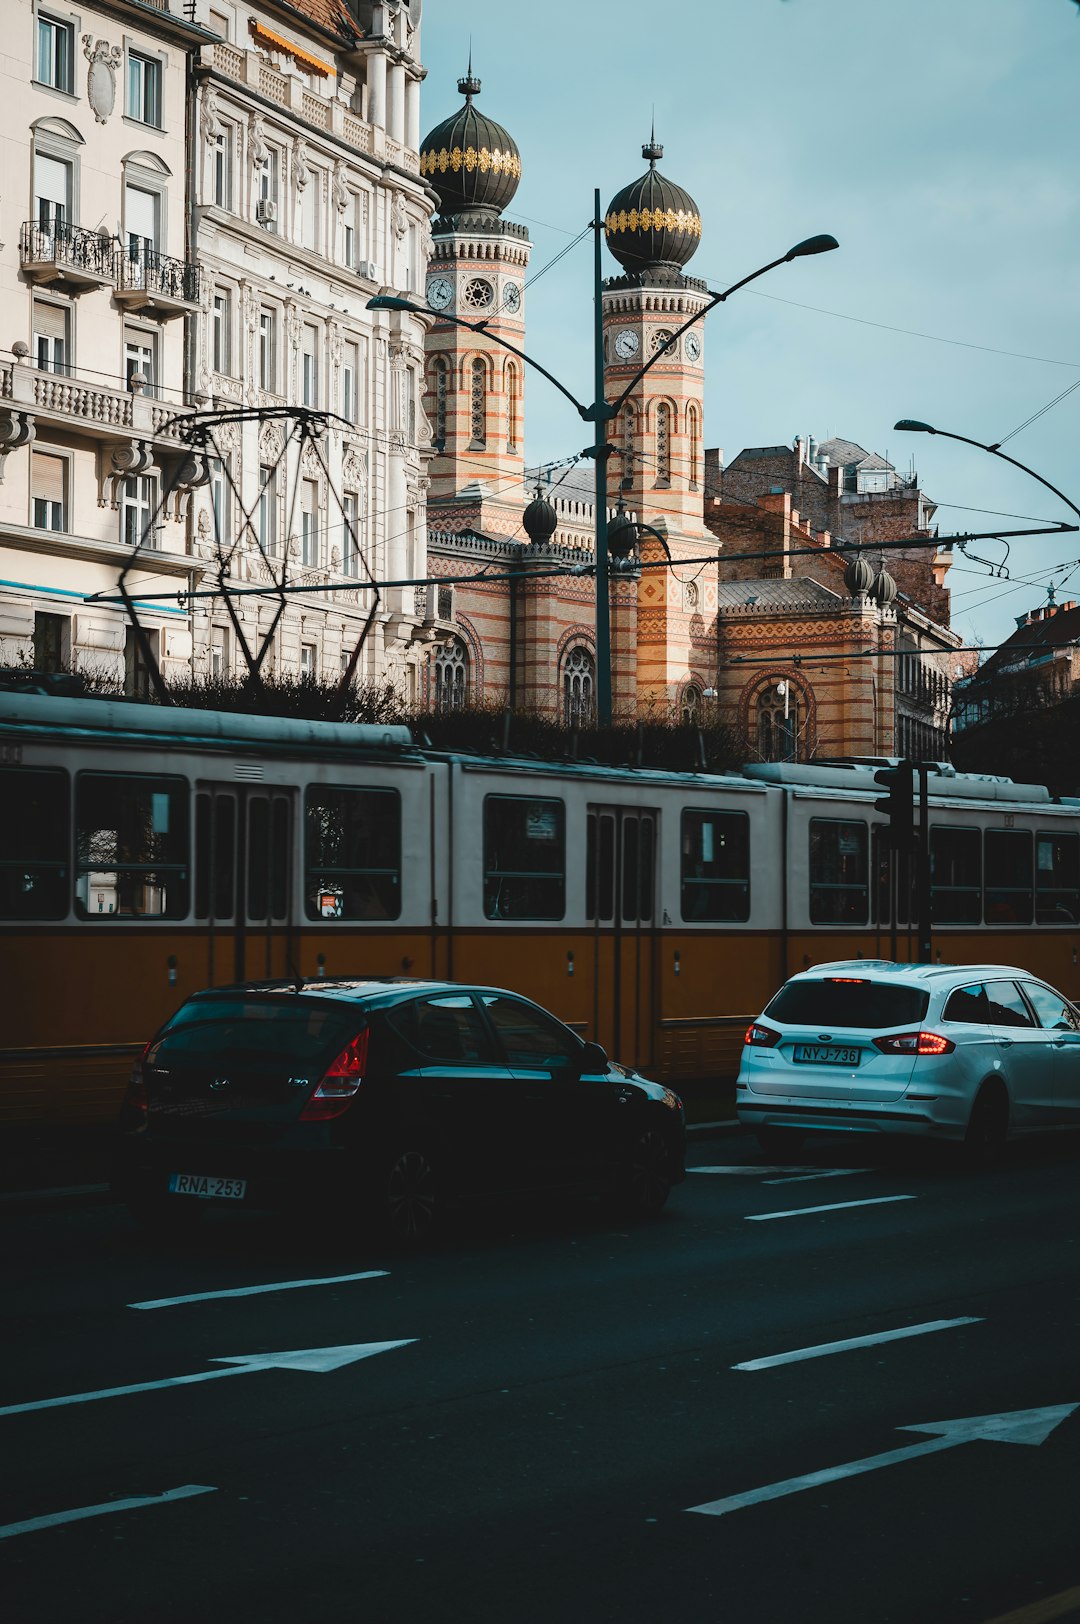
652	224
859	576
883	591
540	520
472	162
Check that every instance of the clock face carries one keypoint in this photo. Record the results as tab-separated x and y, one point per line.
626	343
692	345
440	292
511	297
661	337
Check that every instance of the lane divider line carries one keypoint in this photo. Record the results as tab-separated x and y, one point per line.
824	1348
133	1503
832	1206
258	1291
826	1173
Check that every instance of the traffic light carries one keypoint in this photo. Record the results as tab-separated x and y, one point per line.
898	804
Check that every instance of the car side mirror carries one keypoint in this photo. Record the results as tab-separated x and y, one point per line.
593	1058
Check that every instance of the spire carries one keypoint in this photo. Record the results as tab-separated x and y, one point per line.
470	85
652	148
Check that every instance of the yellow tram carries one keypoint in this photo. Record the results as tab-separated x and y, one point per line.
146	852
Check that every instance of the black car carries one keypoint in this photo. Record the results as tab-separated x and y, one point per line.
392	1098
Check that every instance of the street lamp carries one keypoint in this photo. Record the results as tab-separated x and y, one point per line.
601	413
911	425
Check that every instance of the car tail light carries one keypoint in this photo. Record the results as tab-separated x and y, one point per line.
760	1037
340	1083
915	1043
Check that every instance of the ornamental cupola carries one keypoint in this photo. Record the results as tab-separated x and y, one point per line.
472	162
653	226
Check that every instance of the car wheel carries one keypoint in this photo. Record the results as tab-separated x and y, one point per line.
779	1142
411	1205
988	1125
645	1181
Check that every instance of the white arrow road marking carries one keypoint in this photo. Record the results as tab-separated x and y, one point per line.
32	1524
257	1291
832	1206
824	1348
243	1364
1011	1427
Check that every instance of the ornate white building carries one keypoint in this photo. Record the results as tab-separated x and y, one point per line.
97	282
308	201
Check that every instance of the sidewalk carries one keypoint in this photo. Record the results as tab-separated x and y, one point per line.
51	1166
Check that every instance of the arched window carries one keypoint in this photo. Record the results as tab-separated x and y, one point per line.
693	438
440	386
778	725
478	405
579	688
452	676
628	427
691	705
663	443
511	406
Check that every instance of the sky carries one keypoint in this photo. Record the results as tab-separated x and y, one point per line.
937	140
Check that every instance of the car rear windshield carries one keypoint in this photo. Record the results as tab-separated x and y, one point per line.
245	1028
872	1005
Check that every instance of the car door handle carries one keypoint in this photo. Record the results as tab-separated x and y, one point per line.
1006	1043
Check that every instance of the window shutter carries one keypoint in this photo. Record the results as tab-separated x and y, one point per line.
48	478
50	320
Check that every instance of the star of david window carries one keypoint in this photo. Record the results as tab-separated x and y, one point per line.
477	294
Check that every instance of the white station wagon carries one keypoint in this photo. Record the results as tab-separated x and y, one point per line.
974	1052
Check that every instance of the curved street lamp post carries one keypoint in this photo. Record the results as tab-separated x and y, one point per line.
600	412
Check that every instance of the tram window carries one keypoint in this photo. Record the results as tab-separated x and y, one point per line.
599	856
1057	878
258	890
955	876
839	872
279	858
715	850
630	868
524	858
215	856
646	868
352	853
132	847
34	843
1007	857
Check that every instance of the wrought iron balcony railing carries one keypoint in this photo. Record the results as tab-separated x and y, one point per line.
65	251
148	272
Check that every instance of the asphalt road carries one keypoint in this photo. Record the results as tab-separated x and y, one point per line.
560	1397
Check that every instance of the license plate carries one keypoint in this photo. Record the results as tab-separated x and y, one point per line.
209	1188
816	1054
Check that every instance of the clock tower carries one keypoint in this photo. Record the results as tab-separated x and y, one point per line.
474	389
652	228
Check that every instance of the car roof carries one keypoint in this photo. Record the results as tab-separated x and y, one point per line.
350	989
920	974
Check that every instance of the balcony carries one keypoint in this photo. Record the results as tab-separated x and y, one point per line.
67	254
151	281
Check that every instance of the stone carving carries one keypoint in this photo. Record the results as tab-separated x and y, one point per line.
104	59
16	429
211	122
303	169
341	186
400	218
257	147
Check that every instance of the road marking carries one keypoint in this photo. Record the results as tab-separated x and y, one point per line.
1012	1427
54	1520
747	1172
242	1364
824	1348
827	1173
256	1291
1066	1604
832	1206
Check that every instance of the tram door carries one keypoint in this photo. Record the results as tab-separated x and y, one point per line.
621	907
243	881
